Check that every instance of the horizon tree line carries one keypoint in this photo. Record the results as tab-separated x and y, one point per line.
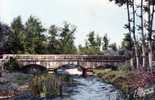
33	38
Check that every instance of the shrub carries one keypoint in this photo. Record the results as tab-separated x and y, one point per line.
47	85
125	67
11	65
20	79
100	75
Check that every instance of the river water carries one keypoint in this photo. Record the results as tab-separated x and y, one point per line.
92	88
89	88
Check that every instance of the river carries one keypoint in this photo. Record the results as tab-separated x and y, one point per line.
89	88
92	88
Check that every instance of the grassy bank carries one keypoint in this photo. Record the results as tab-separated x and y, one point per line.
127	81
117	78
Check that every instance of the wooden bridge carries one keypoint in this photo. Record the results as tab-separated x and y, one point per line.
55	61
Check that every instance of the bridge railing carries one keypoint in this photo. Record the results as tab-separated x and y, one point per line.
67	57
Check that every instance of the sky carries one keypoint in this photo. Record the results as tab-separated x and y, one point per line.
100	16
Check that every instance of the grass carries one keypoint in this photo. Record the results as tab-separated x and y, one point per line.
109	74
127	81
47	85
20	80
118	78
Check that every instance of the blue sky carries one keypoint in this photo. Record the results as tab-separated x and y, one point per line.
88	15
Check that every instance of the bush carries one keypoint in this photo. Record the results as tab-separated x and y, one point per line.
47	85
125	67
11	65
100	75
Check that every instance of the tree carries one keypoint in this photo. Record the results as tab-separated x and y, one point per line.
66	39
83	50
5	31
92	44
143	36
131	26
113	46
98	43
17	38
127	42
149	27
34	34
105	42
53	42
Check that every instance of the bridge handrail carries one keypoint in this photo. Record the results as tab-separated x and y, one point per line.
64	57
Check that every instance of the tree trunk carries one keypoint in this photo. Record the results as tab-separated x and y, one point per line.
137	57
134	36
132	63
144	56
150	55
143	37
129	29
150	25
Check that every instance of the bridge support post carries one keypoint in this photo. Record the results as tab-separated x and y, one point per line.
61	87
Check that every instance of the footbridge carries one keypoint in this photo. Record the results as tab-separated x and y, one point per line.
55	61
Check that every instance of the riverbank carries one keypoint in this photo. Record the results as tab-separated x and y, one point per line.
83	88
13	84
46	86
133	84
18	85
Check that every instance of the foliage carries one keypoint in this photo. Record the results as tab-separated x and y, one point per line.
118	78
53	42
67	39
11	65
127	81
105	42
140	18
47	84
16	39
127	42
113	46
21	78
120	2
34	35
61	39
125	67
30	38
92	44
5	31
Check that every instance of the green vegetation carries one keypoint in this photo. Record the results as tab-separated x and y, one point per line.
33	38
126	80
48	84
117	78
21	79
92	45
11	65
140	37
138	44
30	38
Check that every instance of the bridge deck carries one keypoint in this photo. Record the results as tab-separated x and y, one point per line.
71	57
54	61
